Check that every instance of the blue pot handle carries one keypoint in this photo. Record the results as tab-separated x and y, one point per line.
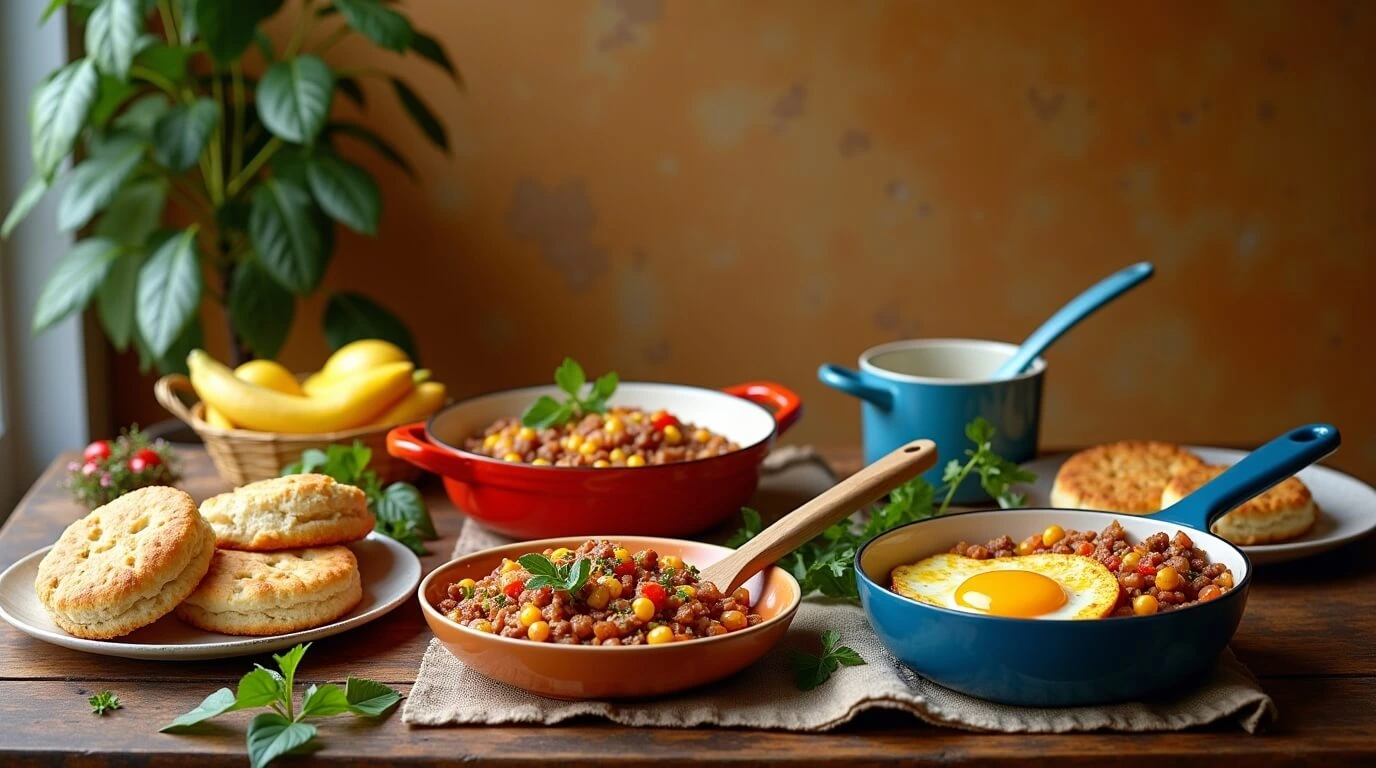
848	381
1263	468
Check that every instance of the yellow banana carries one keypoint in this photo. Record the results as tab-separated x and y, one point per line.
422	401
270	374
216	419
352	359
355	402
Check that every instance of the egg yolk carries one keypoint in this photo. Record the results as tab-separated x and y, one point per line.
1017	594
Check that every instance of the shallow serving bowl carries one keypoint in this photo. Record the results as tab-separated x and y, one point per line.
587	672
528	502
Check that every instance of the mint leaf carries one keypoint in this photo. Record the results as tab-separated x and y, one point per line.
539	565
324	701
569	376
259	688
369	698
287	662
811	671
270	735
605	385
543	413
403	501
213	705
576	576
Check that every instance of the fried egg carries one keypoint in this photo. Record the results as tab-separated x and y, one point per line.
1039	586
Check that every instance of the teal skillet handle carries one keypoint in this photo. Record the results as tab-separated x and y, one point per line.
1263	468
1071	314
848	381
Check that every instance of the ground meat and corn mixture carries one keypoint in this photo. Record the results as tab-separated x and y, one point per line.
1162	573
622	437
627	599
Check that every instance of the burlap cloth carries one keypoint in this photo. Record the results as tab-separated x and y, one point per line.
764	696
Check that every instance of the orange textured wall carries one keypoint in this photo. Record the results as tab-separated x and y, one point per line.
709	192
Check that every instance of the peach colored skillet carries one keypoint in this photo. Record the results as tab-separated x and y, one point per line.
592	672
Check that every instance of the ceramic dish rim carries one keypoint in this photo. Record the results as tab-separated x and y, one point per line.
1037	367
1241	588
433	613
478	457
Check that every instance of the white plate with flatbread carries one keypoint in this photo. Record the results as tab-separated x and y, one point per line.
390	573
1346	505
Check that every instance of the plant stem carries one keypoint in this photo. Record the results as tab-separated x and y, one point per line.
217	171
242	177
187	197
960	478
303	28
149	76
335	37
169	26
236	95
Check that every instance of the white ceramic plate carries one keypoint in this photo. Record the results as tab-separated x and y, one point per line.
390	574
1347	506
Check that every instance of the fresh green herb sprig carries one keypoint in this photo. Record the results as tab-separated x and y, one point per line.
569	577
826	564
284	729
399	508
811	671
105	701
546	411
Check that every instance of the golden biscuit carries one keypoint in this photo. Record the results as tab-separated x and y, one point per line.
1127	476
126	564
270	593
1283	512
288	513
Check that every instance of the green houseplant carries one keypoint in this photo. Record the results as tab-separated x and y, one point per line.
163	111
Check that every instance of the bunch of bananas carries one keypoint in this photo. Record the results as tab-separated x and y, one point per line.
367	383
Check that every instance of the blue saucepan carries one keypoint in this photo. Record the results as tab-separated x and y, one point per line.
1051	663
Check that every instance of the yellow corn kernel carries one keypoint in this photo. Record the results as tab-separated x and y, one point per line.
613	425
1131	559
539	631
559	554
513	457
589	447
741	595
529	615
672	561
525	433
621	553
660	635
636	416
599	597
701	435
509	565
733	620
643	608
467	584
573	441
613	586
672	435
601	464
689	590
636	461
1052	534
617	455
540	463
491	440
482	625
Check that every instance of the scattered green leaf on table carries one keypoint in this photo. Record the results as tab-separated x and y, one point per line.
103	702
810	671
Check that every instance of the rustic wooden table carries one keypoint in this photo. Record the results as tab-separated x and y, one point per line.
1309	633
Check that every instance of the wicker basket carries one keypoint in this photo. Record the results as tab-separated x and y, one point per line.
243	456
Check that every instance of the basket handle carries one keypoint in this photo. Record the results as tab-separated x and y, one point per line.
166	389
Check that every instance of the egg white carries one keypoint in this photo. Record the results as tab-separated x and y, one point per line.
1091	590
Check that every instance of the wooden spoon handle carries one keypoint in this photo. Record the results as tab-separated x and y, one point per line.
835	504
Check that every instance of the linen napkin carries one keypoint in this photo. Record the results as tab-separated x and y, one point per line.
765	696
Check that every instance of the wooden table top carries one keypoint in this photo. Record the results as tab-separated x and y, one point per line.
1309	634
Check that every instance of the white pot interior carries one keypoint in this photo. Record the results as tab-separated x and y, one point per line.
910	544
943	360
735	418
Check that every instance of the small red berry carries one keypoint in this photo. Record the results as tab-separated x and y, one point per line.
97	451
149	457
138	463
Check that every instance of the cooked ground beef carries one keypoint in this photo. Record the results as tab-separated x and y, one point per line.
622	437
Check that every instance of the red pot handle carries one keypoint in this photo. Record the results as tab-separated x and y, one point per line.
410	443
786	405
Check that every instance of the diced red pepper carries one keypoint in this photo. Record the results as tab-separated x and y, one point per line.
1146	570
1084	548
624	568
514	589
654	593
1113	563
662	420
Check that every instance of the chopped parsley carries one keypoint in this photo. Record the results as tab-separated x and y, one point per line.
666	577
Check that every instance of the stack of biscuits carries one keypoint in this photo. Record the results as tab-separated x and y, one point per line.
265	559
1139	477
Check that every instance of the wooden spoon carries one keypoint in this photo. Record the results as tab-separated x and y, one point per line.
833	505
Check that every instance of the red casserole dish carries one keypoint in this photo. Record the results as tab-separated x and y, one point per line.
530	502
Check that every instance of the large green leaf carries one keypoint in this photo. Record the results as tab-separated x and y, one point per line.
93	184
187	31
227	26
261	309
377	22
430	49
353	316
117	297
367	136
112	33
169	291
293	98
270	735
289	235
142	114
58	112
113	92
170	61
346	192
74	281
181	135
421	114
135	212
53	5
29	196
